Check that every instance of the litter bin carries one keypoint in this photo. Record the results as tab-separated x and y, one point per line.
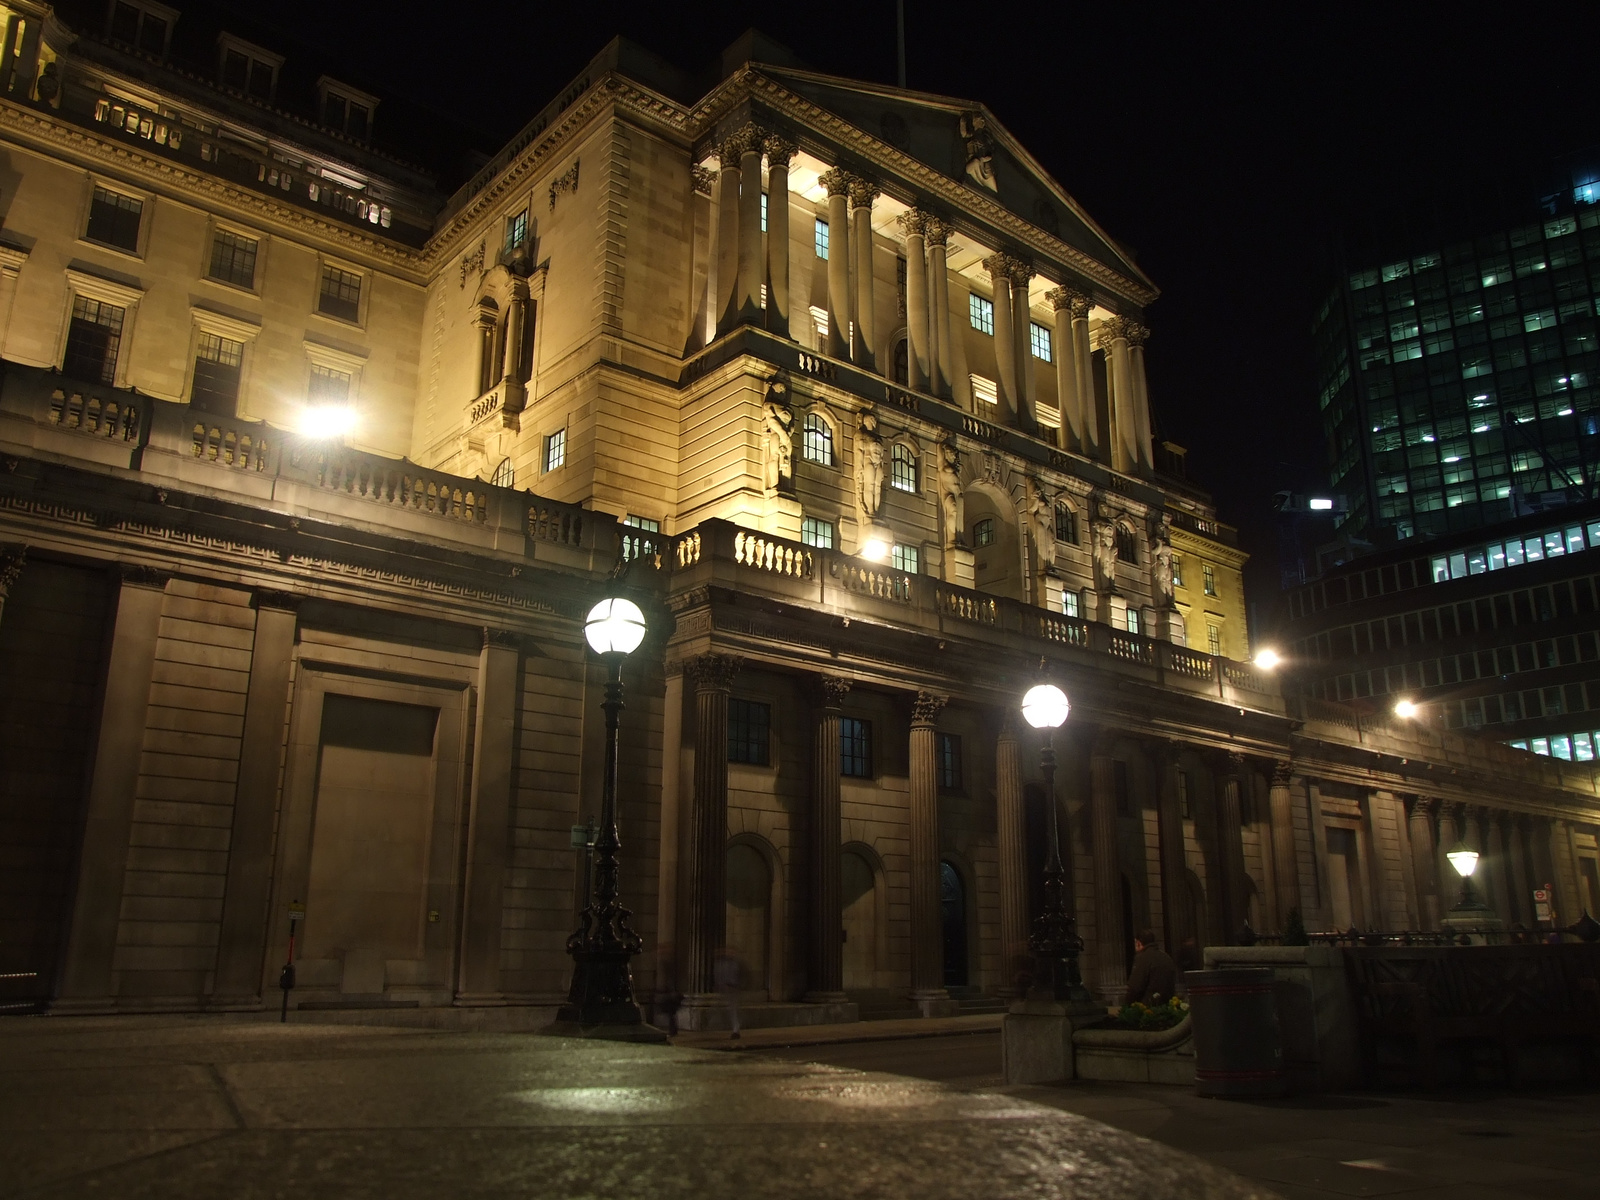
1237	1048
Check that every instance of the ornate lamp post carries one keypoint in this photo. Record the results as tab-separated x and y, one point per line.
600	1003
1469	912
1055	941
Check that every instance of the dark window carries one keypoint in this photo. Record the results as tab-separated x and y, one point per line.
1127	545
233	258
235	70
356	126
260	80
1184	809
983	532
855	748
749	730
902	363
125	23
153	35
341	294
114	219
949	750
93	340
216	375
333	112
1066	524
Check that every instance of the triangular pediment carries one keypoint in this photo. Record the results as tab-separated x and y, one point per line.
935	130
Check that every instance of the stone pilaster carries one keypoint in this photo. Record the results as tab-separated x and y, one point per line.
705	865
940	355
1286	874
862	193
927	951
1496	884
918	319
1230	846
751	265
779	153
825	959
1011	832
1425	862
837	184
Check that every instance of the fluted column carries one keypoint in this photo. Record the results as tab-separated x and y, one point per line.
13	557
729	155
940	371
1066	303
751	266
779	152
1230	846
1114	337
1022	274
1285	866
1095	442
862	193
826	950
1110	939
1144	451
1517	848
1174	867
1011	830
705	866
927	924
918	327
1425	863
1000	267
837	184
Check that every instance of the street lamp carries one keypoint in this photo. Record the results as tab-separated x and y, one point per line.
1470	915
1267	658
1465	860
1055	941
600	1003
1405	709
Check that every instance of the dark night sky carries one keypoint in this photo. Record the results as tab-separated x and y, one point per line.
1228	146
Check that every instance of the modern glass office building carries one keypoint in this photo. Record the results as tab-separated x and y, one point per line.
1458	386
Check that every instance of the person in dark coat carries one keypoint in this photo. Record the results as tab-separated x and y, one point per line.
1154	977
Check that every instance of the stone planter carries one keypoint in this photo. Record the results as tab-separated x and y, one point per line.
1136	1055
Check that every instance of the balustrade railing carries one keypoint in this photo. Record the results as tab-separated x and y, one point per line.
765	554
228	446
87	413
549	521
1189	662
1068	631
1132	647
981	610
875	582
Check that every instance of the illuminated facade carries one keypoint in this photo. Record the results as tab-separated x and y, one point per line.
311	471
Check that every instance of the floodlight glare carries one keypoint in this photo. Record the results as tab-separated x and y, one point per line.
1405	709
1267	658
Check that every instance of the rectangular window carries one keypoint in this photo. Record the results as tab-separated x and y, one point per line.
93	340
855	748
114	220
949	751
906	558
1177	571
763	212
648	524
1133	620
822	238
216	375
555	449
340	295
1213	640
981	313
1184	811
749	732
1039	340
1208	577
985	390
1071	604
816	532
516	230
1066	525
233	259
902	468
328	387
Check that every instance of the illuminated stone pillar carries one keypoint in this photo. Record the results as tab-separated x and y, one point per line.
918	321
1286	873
940	376
927	910
1067	302
1000	267
1114	339
751	266
862	193
729	154
1174	860
1424	862
837	184
1022	273
1143	450
1230	846
1096	444
826	959
779	152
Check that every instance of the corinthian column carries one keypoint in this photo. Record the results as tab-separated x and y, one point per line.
750	264
1174	861
1022	342
936	233
779	152
1286	869
999	267
913	222
862	193
1230	846
1066	303
837	183
1096	444
1013	856
1114	338
729	154
1144	454
705	866
927	959
825	960
1110	939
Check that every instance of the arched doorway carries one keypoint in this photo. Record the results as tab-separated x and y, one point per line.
992	536
860	919
749	912
953	903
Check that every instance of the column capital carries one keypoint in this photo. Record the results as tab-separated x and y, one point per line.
914	222
506	638
1282	770
1069	298
13	557
926	707
713	672
1004	265
1022	272
736	145
935	232
779	149
1138	334
831	690
1113	328
702	178
1425	805
835	180
863	192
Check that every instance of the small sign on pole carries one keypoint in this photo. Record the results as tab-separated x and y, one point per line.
1541	904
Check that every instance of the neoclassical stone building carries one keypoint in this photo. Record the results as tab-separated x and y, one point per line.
310	468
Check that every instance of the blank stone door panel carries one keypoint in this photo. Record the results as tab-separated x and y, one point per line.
371	839
860	919
749	914
1344	879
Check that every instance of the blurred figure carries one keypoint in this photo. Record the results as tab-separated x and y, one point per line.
727	981
668	1000
1154	978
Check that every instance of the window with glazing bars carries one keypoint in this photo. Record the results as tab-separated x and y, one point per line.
749	732
981	313
822	238
902	468
949	754
555	449
1071	604
1213	640
516	230
217	361
1208	577
328	387
906	558
1066	524
341	294
93	339
114	220
816	532
1127	545
816	440
855	748
233	258
1039	340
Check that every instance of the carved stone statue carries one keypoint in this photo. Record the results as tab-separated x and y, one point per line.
1105	556
980	149
1042	521
869	466
950	494
777	440
1161	560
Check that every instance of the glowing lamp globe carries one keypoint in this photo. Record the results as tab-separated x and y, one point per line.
1405	709
1045	706
1464	859
327	420
614	626
874	549
1267	658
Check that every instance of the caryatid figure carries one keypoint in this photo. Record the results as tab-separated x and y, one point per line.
1042	522
950	493
869	466
777	439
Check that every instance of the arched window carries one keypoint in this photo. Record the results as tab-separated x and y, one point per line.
1127	545
902	361
816	440
983	532
902	468
1066	524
